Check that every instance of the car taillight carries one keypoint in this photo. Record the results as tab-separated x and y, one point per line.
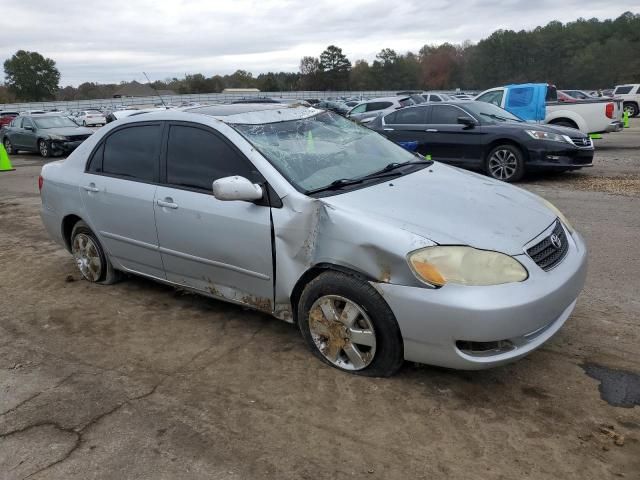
609	110
40	183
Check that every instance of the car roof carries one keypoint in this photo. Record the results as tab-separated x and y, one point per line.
242	113
396	98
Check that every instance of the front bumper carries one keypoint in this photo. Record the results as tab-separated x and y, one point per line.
62	146
526	314
560	157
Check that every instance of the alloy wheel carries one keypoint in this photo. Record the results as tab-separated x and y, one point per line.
44	149
85	252
503	164
342	332
8	146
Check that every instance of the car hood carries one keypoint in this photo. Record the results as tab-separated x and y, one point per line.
67	131
451	206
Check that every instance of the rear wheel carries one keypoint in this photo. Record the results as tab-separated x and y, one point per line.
90	258
506	163
348	325
44	149
8	146
565	123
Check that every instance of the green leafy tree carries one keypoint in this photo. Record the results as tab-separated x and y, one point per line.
31	77
336	67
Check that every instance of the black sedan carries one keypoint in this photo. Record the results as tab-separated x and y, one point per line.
479	135
47	135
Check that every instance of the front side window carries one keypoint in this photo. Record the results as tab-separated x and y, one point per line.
316	151
197	157
133	153
375	106
360	108
494	97
445	114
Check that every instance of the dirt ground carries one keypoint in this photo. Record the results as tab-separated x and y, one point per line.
138	380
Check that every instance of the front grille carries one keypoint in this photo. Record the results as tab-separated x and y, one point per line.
581	141
545	253
77	138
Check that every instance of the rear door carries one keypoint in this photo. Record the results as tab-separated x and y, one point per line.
451	142
407	126
219	247
118	190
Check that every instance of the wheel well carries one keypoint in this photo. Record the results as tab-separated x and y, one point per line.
312	273
68	223
573	124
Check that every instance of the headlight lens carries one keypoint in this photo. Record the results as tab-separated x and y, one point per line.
465	266
559	214
57	137
540	135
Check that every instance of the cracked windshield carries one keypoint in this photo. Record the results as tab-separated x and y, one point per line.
314	152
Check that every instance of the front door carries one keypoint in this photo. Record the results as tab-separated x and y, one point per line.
118	190
219	247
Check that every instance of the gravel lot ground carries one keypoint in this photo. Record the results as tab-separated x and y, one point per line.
138	380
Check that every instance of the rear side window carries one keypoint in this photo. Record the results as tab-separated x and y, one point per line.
435	98
375	106
196	157
407	116
445	114
623	90
405	102
133	153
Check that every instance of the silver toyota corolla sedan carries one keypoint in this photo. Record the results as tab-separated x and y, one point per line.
375	253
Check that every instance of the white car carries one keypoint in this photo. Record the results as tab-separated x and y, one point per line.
368	110
630	95
90	117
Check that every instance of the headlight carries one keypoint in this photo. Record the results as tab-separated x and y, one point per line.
558	213
465	266
57	137
540	135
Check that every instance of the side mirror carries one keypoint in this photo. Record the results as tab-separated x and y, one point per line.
236	188
467	122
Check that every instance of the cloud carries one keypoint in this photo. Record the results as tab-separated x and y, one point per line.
117	40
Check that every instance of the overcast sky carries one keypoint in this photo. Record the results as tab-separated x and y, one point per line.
114	40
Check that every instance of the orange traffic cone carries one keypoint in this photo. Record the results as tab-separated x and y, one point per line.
5	163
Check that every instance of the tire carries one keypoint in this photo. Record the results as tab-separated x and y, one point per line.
632	108
8	146
90	258
44	148
370	346
505	163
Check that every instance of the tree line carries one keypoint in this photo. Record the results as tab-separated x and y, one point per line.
582	54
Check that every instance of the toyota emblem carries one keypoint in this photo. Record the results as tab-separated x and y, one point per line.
555	241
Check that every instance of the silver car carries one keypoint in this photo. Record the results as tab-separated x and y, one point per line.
376	254
370	109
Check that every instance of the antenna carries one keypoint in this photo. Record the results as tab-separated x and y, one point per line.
147	77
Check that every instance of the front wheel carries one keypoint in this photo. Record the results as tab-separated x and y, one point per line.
348	325
90	258
505	163
43	148
632	108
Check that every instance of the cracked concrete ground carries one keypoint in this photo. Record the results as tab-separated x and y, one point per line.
138	380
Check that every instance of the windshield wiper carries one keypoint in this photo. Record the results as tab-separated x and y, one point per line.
387	171
498	117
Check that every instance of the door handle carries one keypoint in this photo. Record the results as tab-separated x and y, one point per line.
91	188
432	130
388	129
167	202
